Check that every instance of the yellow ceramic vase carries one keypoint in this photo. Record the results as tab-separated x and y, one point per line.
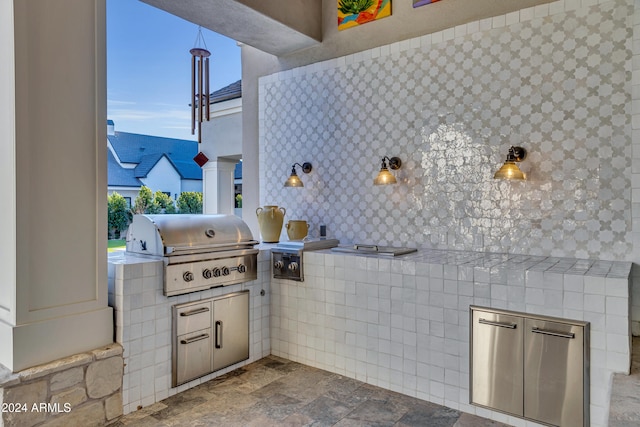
270	219
297	229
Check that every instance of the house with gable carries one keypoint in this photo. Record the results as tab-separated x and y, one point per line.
162	164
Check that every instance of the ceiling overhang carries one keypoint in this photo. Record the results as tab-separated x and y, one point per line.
242	23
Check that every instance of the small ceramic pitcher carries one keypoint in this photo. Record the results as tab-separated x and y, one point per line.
297	229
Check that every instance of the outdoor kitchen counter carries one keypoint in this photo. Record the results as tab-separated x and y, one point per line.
487	260
400	323
403	323
143	323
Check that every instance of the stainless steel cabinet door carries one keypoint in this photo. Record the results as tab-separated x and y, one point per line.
192	317
554	373
193	356
230	330
497	362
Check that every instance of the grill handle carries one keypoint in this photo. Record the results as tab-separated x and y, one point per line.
218	339
194	312
176	250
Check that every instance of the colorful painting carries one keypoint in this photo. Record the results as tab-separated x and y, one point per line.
417	3
356	12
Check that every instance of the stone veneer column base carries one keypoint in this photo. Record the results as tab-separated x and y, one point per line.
80	390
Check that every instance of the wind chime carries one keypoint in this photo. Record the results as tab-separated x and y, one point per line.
199	90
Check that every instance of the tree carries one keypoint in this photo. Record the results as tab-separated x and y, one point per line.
163	203
119	215
144	201
190	202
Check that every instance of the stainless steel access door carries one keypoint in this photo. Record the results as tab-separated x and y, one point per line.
192	341
554	366
496	361
230	329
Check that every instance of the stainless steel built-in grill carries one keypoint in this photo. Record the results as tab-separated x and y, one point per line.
199	251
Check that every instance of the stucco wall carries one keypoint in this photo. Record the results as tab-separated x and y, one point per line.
191	185
163	177
222	136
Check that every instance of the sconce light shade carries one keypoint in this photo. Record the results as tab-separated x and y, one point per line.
385	176
294	180
510	169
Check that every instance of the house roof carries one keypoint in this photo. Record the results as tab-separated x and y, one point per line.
119	176
233	91
147	150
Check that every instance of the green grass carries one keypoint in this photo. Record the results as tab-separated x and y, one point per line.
115	244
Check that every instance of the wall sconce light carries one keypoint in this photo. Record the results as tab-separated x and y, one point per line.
384	176
294	180
510	170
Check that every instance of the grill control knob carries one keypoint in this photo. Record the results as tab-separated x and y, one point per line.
207	274
187	276
216	272
242	268
278	265
293	266
225	271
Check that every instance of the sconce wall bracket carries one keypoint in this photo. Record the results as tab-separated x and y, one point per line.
306	167
395	163
518	153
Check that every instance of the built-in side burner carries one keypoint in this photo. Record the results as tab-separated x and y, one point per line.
287	256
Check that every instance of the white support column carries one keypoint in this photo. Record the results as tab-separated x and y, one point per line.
53	268
218	187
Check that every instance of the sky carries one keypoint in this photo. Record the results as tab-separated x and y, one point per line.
149	68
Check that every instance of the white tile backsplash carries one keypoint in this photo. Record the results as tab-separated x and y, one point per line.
553	78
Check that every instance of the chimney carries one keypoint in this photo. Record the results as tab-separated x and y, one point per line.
111	127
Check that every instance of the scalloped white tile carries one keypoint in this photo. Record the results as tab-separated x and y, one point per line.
556	80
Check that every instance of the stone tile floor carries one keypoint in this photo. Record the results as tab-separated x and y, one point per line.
278	392
625	393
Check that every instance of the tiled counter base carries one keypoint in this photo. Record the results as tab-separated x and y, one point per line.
143	325
80	390
403	324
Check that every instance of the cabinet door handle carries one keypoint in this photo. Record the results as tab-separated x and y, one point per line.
218	334
193	312
569	335
499	324
194	339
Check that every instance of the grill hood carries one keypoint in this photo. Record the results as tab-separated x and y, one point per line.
168	235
